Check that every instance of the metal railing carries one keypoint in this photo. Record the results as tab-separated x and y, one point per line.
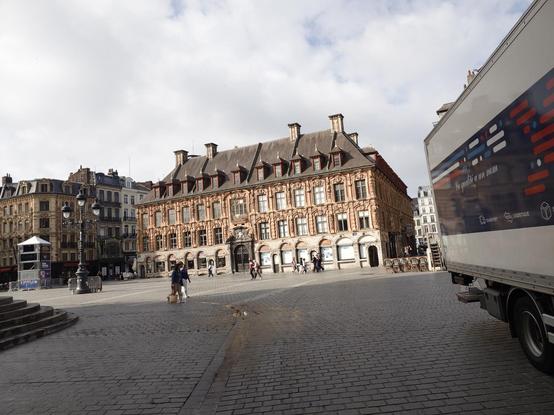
94	283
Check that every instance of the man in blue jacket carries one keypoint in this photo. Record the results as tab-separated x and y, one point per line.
176	282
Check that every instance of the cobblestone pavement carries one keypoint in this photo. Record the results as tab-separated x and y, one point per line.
349	343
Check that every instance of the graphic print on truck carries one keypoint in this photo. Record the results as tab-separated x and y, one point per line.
503	176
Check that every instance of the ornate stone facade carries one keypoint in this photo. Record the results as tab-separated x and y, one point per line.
276	202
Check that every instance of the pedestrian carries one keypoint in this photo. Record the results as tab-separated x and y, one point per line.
185	280
252	269
258	269
211	270
176	283
294	268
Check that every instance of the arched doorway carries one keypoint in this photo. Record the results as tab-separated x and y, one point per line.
373	256
241	258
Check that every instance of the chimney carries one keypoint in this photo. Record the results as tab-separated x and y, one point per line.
354	137
294	131
336	123
211	150
180	157
7	179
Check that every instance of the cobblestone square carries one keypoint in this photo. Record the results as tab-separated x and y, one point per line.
337	342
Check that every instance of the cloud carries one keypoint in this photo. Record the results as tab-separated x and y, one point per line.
99	83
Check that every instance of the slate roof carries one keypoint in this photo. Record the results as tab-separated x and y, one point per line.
270	152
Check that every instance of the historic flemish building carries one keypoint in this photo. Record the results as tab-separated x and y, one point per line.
276	201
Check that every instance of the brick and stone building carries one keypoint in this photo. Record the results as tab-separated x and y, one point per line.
275	201
33	207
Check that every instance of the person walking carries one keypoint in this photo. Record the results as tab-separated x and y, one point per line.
176	282
185	280
294	267
211	270
258	269
252	269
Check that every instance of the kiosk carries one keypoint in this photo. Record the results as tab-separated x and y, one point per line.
33	265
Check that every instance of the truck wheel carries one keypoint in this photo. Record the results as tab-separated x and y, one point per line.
532	335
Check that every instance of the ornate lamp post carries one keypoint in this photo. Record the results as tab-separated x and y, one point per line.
82	272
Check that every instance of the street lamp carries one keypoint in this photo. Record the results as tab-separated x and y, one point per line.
82	272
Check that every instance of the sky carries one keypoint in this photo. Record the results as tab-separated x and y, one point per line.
122	84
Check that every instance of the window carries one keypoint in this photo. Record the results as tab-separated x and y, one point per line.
432	218
116	213
133	199
297	167
187	239
264	231
342	222
201	260
361	189
345	252
424	219
216	210
126	229
144	220
218	236
117	231
202	237
339	192
301	226
336	160
171	217
363	219
108	196
44	223
159	242
317	164
238	207
43	188
260	173
125	214
278	168
299	198
433	228
186	214
262	204
425	229
158	220
283	229
418	222
280	200
319	195
116	197
125	199
109	213
201	212
44	205
173	240
321	224
236	177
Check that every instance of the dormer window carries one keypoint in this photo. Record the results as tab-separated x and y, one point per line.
317	163
297	165
337	159
261	173
199	185
236	177
278	169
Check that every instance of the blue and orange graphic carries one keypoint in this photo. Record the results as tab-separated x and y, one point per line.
502	177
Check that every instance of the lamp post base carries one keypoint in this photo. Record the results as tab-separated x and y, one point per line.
82	282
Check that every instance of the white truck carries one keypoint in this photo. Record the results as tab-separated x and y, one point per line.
491	165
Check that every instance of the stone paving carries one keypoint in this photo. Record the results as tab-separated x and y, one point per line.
337	342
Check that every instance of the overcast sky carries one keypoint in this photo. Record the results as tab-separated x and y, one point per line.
119	84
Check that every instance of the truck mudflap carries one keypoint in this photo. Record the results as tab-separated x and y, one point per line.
548	321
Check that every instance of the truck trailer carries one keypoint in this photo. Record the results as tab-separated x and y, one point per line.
491	165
